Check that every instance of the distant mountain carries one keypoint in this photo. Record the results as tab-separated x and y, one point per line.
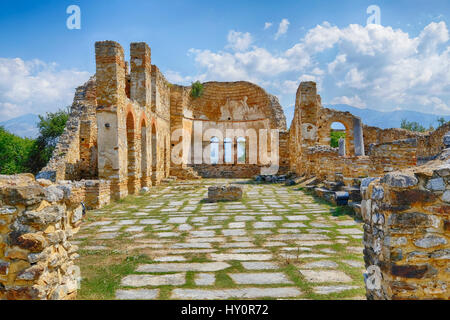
23	126
391	119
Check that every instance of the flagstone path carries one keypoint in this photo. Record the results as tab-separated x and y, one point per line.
277	243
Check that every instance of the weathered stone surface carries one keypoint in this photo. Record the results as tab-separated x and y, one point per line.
183	267
136	280
205	279
257	265
400	180
409	220
224	193
137	294
436	184
241	257
430	241
413	271
260	278
44	217
325	276
245	293
322	264
35	242
333	289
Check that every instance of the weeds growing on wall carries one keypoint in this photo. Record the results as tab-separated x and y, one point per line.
197	89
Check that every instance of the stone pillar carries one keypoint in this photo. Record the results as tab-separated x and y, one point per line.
358	137
141	74
342	147
111	123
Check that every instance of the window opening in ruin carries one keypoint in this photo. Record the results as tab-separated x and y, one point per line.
337	132
241	146
154	143
228	150
131	149
214	150
143	149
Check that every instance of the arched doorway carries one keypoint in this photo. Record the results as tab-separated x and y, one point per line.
337	132
154	153
144	162
131	154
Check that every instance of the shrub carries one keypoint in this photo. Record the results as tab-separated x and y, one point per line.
197	89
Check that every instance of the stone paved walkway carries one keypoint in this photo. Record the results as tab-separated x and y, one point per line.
276	243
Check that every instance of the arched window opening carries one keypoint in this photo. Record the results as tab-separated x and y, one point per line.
131	152
228	150
143	153
154	148
241	150
214	150
337	132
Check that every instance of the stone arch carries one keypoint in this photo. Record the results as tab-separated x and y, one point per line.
131	152
337	130
154	152
144	154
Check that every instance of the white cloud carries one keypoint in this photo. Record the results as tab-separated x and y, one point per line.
267	25
35	87
239	41
282	28
354	101
371	66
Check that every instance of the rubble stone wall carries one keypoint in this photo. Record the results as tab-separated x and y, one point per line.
75	156
37	222
407	232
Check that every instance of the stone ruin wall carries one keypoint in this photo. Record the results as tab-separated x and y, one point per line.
107	99
429	144
406	210
75	155
407	232
37	222
379	150
225	105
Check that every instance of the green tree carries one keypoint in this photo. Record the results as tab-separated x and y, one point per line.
14	153
412	126
335	136
441	121
51	126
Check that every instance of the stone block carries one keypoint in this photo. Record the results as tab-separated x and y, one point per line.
224	193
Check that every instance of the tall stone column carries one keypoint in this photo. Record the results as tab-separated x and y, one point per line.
358	137
111	123
141	74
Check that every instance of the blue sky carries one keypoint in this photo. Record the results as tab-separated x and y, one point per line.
401	64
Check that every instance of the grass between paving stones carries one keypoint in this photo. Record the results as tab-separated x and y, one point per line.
103	270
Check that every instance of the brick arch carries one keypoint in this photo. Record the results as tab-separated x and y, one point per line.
327	118
144	151
154	150
131	151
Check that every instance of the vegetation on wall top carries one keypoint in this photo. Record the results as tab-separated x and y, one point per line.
197	89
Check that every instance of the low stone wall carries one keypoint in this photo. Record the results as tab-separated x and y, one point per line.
324	162
37	221
232	170
407	232
98	193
